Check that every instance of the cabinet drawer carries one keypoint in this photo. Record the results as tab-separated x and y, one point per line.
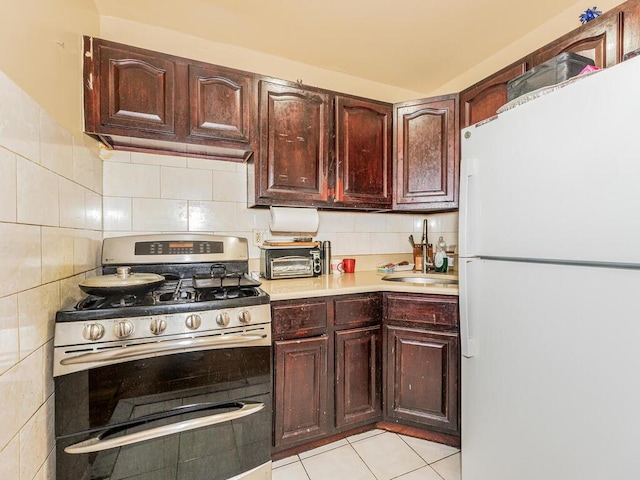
357	310
299	319
433	311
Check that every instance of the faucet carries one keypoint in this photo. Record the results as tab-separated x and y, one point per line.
425	247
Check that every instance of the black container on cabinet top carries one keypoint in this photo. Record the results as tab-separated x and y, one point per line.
560	68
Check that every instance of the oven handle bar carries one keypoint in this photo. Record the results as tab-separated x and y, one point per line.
96	444
161	348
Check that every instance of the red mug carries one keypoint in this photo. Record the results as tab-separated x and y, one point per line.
349	265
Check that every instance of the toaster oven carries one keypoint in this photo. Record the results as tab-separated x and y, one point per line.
290	262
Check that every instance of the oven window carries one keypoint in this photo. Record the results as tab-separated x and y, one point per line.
118	402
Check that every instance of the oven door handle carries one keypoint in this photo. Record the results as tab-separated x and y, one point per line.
162	348
97	444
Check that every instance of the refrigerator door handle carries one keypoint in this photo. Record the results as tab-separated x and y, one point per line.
469	345
469	168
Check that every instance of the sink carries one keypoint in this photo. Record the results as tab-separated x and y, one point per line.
420	278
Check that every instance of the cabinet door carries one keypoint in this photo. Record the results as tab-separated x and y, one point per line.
219	101
300	396
483	99
137	90
426	163
357	376
363	153
422	377
599	40
292	164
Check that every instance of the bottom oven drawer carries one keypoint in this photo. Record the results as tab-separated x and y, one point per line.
190	416
211	452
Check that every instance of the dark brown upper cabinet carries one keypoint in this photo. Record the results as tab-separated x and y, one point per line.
140	100
599	40
292	163
426	143
482	100
363	170
321	149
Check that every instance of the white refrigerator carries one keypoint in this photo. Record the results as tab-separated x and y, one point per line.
550	285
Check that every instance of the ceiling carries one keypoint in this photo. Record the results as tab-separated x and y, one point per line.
417	45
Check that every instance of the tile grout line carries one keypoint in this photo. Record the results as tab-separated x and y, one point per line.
365	463
425	461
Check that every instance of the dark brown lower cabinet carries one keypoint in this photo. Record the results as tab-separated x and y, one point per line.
300	397
422	375
358	375
347	363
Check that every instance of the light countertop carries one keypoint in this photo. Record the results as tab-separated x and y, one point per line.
347	283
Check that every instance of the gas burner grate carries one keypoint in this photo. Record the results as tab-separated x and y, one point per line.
226	293
93	302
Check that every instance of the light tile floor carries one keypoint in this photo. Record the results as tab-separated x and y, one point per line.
373	455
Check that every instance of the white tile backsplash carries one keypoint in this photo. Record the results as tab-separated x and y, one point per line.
87	246
19	121
229	187
57	253
9	335
212	216
50	227
85	165
20	256
223	209
37	192
124	178
117	214
36	440
151	215
72	204
56	146
8	192
186	183
10	459
37	308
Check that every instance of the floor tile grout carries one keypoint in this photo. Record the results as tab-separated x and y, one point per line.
351	444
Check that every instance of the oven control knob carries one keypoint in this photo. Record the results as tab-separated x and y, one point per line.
123	329
244	316
158	326
193	322
223	319
93	332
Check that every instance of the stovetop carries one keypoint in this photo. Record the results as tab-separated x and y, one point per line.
173	296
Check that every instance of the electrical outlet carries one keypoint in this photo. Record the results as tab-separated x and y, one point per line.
258	237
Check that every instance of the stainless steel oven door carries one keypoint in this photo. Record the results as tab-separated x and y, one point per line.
191	415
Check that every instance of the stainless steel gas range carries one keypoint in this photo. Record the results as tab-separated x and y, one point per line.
164	370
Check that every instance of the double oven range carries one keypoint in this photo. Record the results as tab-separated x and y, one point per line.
173	383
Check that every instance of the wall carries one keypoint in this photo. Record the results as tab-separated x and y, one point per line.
42	53
50	234
161	39
176	43
146	193
554	28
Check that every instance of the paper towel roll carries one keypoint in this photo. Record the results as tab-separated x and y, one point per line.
286	219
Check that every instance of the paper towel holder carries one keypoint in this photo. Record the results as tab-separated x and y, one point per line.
294	219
